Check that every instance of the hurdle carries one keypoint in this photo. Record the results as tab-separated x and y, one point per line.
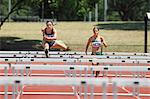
74	56
19	81
28	68
135	83
135	70
51	80
70	61
80	67
4	67
72	53
73	60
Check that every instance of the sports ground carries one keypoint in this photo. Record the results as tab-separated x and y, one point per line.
124	70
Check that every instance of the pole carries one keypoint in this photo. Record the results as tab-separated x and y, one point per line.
145	36
0	11
96	12
84	17
105	10
52	15
9	9
43	11
90	16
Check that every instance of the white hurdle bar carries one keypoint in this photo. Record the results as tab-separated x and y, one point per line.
129	82
135	70
52	80
72	53
59	81
74	56
93	60
135	83
82	68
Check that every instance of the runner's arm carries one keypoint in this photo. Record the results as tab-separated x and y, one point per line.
87	45
103	40
51	38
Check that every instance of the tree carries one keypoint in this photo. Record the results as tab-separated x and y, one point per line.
88	5
76	9
129	9
67	9
18	5
14	8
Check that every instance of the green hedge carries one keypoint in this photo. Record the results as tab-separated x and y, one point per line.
25	18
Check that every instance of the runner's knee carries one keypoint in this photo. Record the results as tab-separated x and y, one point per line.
46	46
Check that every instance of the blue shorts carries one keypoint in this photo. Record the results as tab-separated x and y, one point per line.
51	43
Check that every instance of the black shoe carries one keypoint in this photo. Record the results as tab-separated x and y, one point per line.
46	53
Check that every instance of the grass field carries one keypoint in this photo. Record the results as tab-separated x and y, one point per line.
120	36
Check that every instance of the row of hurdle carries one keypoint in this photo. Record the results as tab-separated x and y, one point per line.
78	69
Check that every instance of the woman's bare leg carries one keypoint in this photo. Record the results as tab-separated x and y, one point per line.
60	45
46	49
94	50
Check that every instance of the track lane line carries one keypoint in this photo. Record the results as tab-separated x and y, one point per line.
77	93
128	91
18	96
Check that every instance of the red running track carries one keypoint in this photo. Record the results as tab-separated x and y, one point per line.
69	89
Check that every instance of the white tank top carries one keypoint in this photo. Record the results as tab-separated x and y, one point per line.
96	42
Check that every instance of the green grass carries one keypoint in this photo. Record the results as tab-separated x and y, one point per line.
27	36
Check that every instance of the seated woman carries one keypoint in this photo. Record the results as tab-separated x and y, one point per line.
50	38
96	41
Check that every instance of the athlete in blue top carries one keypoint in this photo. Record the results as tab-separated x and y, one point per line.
96	41
50	38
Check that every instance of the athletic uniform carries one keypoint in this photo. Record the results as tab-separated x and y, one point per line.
51	43
96	43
